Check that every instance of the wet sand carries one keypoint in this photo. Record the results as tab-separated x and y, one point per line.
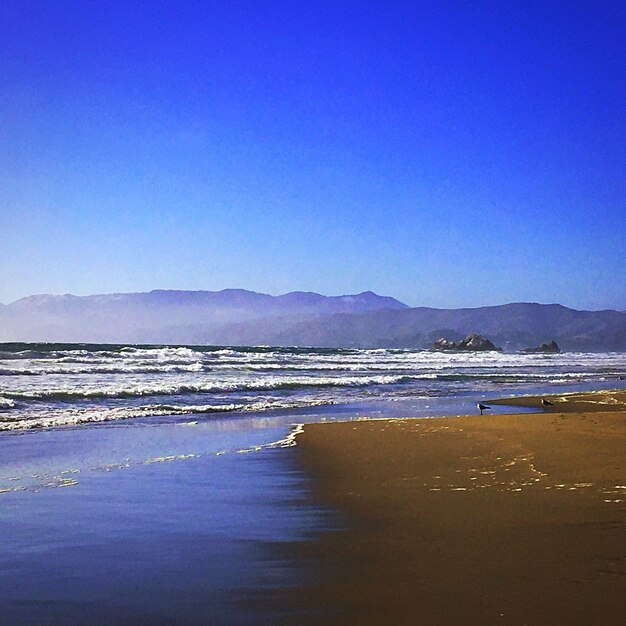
507	519
598	401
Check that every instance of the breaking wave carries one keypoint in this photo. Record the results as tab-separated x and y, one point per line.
222	387
77	417
46	385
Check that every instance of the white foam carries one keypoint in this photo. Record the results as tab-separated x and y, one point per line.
40	387
290	439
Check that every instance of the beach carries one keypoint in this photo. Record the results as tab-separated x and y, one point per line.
508	519
160	484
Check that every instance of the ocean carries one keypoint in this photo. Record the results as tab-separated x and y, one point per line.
152	484
52	385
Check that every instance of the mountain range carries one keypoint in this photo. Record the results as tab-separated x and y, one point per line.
240	317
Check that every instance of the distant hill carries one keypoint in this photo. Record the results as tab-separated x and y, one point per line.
239	317
512	326
161	315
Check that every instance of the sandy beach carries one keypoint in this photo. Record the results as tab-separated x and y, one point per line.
508	519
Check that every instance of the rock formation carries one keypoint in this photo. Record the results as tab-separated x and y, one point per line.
445	344
544	348
472	343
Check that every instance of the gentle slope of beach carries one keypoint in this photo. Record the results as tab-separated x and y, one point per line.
485	519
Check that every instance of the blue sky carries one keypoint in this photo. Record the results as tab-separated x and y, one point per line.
446	153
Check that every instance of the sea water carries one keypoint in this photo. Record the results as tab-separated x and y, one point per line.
47	385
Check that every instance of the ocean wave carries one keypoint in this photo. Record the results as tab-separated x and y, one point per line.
513	376
58	384
6	404
381	357
218	387
94	416
105	369
22	354
442	372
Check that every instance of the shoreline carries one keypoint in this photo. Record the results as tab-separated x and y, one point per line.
606	400
514	518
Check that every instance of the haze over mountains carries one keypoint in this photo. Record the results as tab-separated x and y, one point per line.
240	317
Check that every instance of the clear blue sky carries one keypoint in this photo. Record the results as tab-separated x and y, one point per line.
446	153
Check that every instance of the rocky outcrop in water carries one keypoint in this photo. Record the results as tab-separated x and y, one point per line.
544	348
445	344
472	343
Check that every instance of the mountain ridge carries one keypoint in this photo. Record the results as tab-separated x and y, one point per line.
300	318
44	298
514	326
128	317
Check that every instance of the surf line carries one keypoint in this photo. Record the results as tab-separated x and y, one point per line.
57	480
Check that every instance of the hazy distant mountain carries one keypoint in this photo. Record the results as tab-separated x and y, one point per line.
512	326
239	317
141	317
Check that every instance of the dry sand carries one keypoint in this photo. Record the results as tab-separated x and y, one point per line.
507	519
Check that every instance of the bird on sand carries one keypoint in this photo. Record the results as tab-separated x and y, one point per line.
546	402
482	407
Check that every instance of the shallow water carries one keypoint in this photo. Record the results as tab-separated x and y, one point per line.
179	541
